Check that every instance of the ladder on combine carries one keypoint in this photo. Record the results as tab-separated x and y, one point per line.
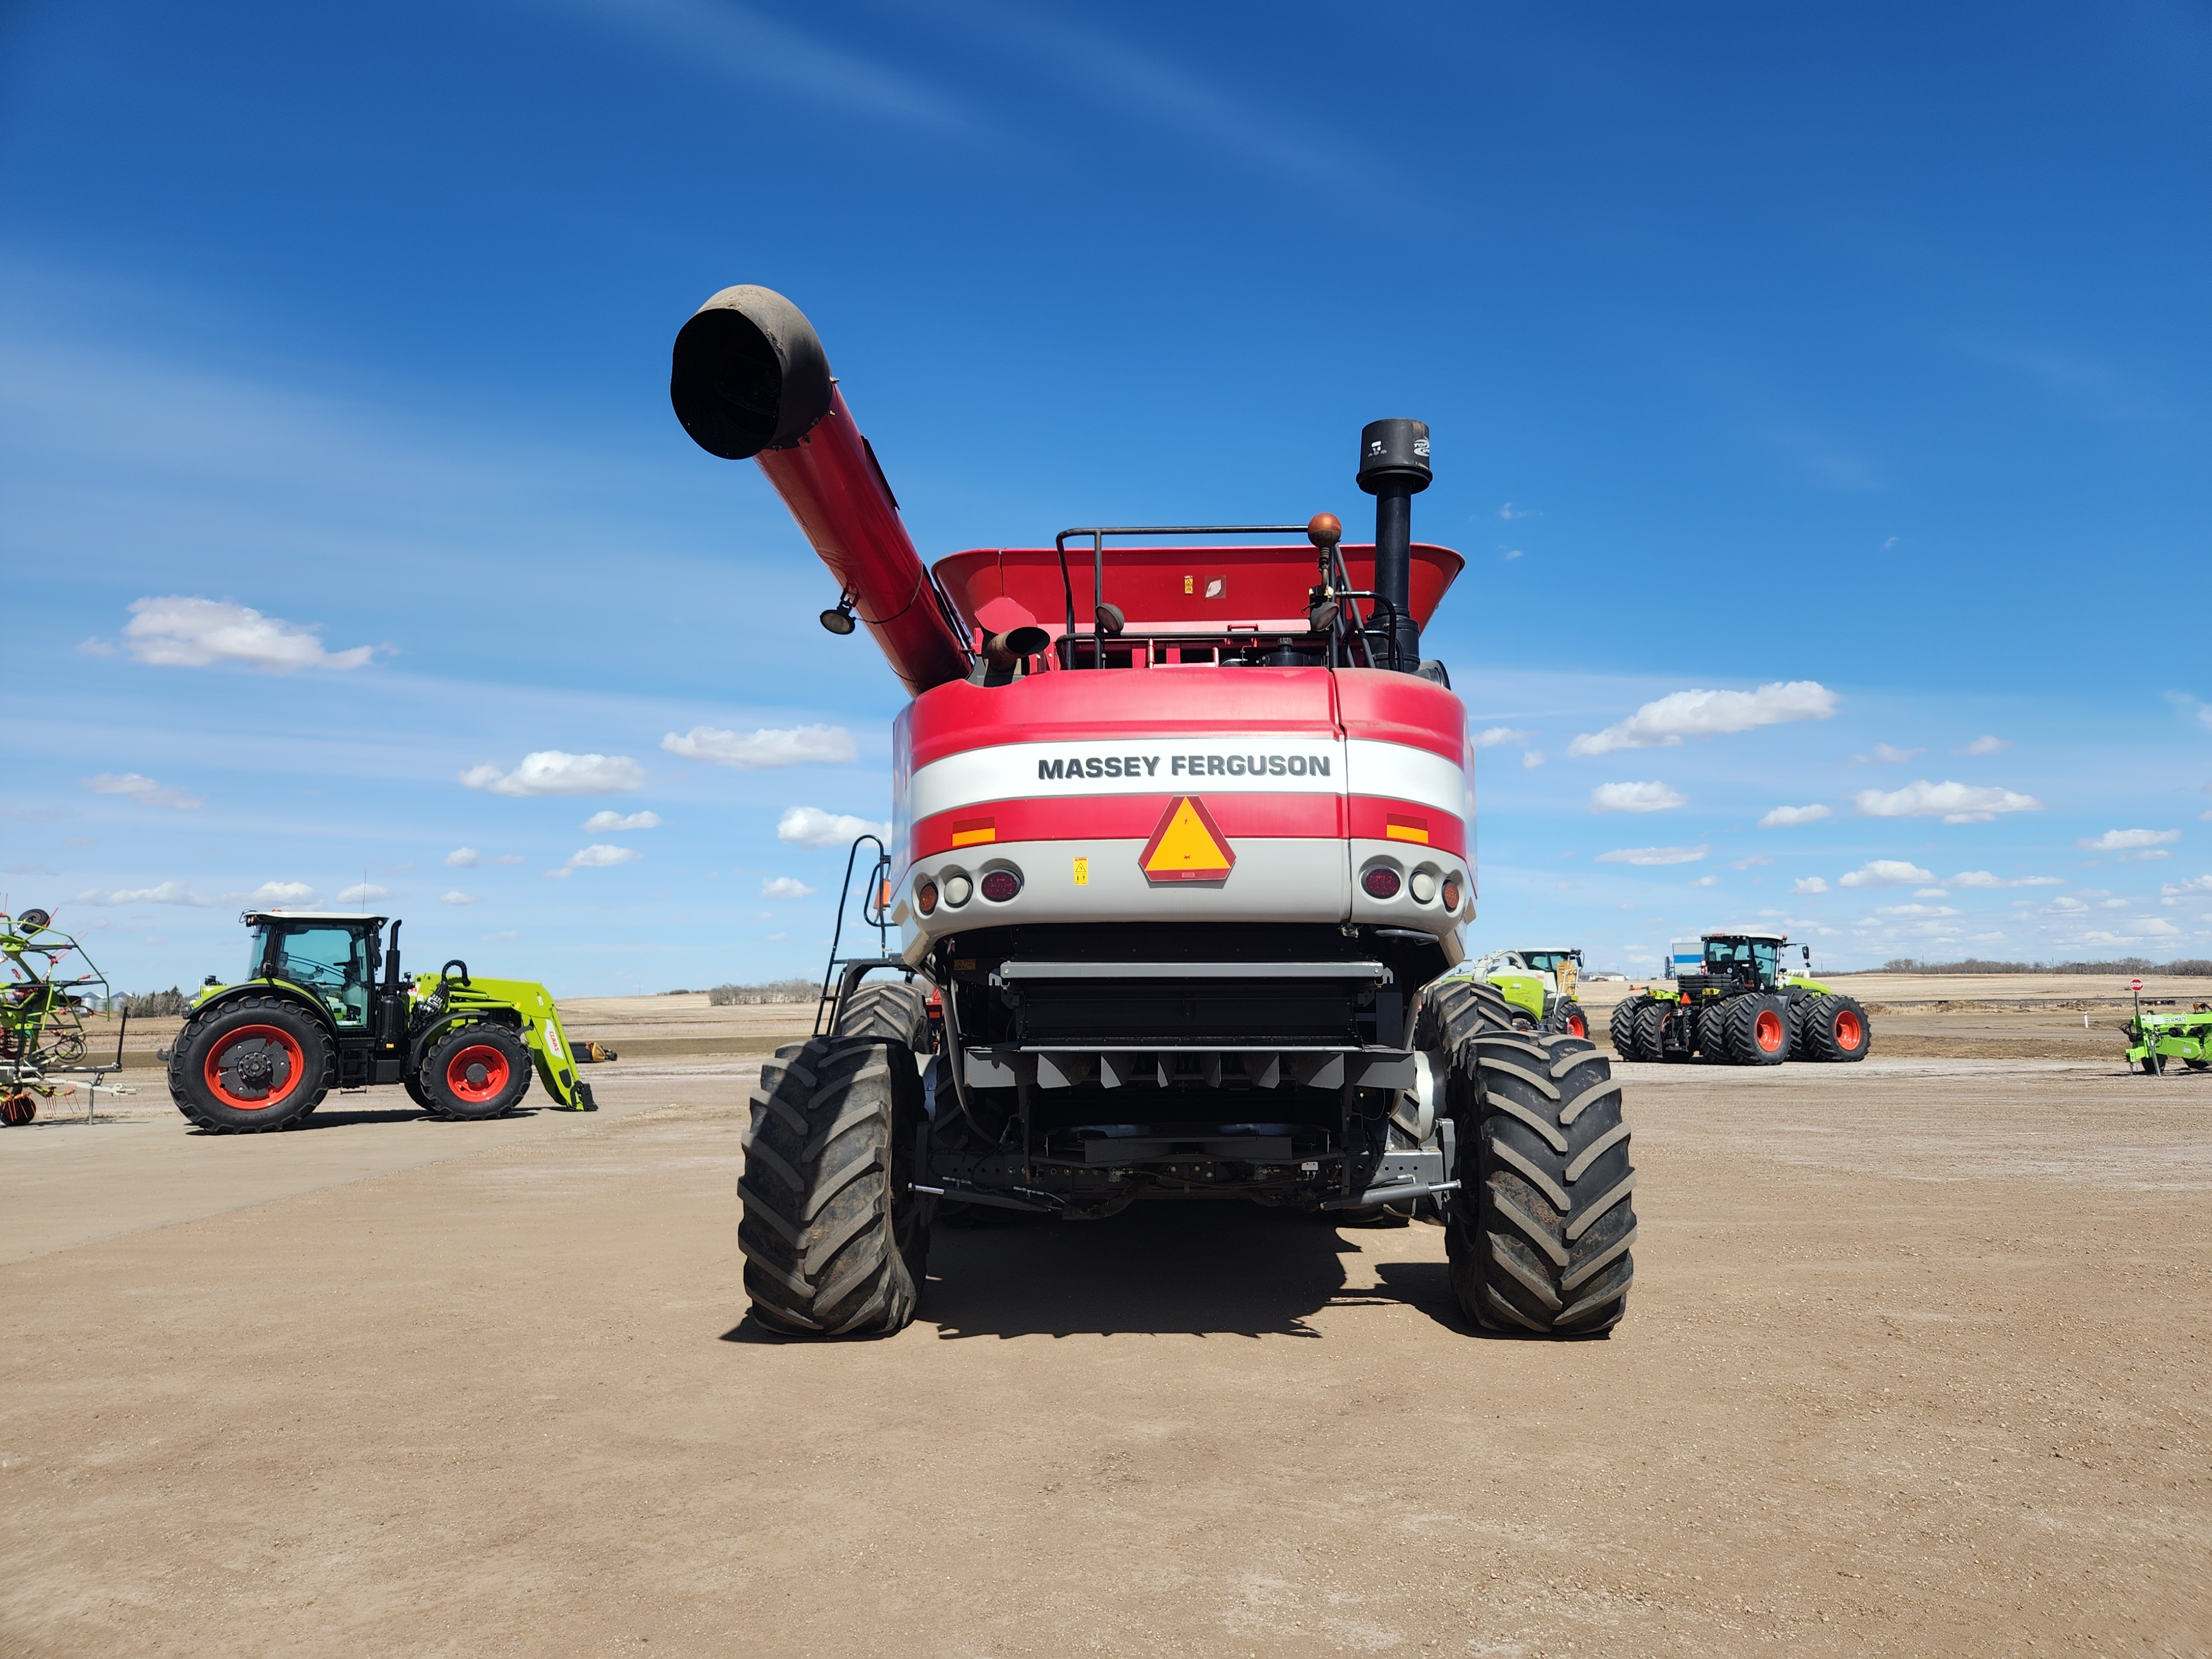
843	973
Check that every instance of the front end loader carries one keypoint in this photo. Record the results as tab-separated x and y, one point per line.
312	1014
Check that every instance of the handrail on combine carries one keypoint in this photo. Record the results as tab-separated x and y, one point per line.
875	912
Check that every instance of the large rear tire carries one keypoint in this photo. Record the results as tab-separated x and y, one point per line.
1538	1230
255	1065
1622	1028
475	1072
836	1241
1755	1030
1834	1027
1568	1018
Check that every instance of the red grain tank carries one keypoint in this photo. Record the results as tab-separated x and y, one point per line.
1182	842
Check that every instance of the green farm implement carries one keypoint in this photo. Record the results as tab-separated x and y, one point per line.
312	1015
44	1045
2155	1038
1734	1002
1540	984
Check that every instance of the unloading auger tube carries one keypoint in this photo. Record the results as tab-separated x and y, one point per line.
750	381
1183	854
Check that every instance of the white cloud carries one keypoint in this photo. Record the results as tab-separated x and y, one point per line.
1492	737
2124	841
1513	553
1665	723
556	772
1983	878
751	751
1931	892
362	892
2195	884
282	893
1809	885
1706	881
463	857
169	892
810	826
457	896
2158	925
509	857
1887	754
1635	798
1509	511
177	632
1984	744
1954	802
1533	758
2065	907
1747	863
1789	818
1915	910
598	856
2115	905
1887	873
600	822
1653	855
785	887
143	790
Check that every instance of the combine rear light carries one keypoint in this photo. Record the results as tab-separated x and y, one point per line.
1000	885
1380	882
1451	892
957	890
1422	886
925	897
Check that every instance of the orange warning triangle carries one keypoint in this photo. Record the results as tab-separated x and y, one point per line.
1188	845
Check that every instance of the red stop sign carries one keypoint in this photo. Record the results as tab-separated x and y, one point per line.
2134	985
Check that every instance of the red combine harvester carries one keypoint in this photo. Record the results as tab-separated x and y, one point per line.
1181	854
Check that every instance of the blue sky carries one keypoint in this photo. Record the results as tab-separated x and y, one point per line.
1857	349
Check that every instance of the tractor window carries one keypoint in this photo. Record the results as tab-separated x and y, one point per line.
257	953
331	962
1765	953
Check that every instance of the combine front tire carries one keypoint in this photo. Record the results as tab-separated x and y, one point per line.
1833	1028
1540	1228
257	1064
1754	1030
836	1241
475	1071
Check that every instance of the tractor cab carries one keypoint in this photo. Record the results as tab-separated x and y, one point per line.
1753	960
331	956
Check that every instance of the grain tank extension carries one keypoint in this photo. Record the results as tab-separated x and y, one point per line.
1182	849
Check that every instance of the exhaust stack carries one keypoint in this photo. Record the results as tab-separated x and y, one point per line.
1393	468
749	380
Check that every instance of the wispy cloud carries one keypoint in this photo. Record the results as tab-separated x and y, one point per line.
1664	723
1984	744
363	892
785	887
1983	878
168	892
2128	841
1653	797
1954	802
810	826
555	772
1887	873
457	896
600	823
749	752
1886	754
1645	857
1789	818
1492	737
598	856
143	790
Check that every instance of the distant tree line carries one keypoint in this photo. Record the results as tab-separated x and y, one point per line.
151	1004
781	990
2187	967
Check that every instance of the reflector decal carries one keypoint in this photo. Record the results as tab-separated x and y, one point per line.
974	832
1188	845
1399	826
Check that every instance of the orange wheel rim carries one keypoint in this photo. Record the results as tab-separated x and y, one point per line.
1577	1026
1849	1031
1768	1030
254	1067
478	1073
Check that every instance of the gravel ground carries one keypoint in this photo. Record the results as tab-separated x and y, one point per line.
1915	1363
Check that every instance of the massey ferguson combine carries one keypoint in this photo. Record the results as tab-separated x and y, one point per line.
1182	827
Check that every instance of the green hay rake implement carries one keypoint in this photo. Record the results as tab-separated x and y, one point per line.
2155	1038
42	1042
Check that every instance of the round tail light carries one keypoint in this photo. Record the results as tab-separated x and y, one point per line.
957	890
925	897
1451	892
1422	886
1380	882
1000	885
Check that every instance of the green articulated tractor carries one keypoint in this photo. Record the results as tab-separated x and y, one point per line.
1732	1001
312	1015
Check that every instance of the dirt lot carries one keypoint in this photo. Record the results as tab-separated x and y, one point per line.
1917	1363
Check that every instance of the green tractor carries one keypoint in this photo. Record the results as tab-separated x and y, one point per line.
310	1015
1537	986
1734	1002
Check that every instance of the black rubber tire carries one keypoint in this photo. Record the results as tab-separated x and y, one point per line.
445	1101
1565	1014
1455	1010
896	1012
413	1084
1651	1018
1824	1024
832	1235
1712	1033
1740	1019
2153	1064
1538	1230
1622	1030
890	1010
300	1094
